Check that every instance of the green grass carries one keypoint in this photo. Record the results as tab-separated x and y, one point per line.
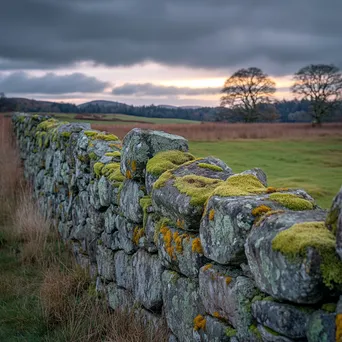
131	118
315	166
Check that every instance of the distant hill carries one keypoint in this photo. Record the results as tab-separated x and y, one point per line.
102	103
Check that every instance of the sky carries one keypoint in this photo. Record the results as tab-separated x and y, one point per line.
176	52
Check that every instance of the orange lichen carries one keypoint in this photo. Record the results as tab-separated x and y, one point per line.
167	237
206	267
197	246
216	314
179	243
211	214
180	223
199	322
338	323
137	234
134	165
260	219
261	210
271	189
128	174
228	280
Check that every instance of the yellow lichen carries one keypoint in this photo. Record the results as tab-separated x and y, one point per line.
295	241
199	322
211	167
134	165
180	223
338	324
98	168
206	267
240	185
113	154
211	214
228	280
262	209
94	135
138	233
291	201
196	246
161	181
128	174
167	160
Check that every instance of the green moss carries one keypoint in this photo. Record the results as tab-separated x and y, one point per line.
93	156
295	241
112	172
83	159
145	202
97	169
113	154
41	137
240	185
48	124
210	167
331	220
161	181
198	188
66	135
329	307
291	201
167	160
100	136
254	330
272	332
230	332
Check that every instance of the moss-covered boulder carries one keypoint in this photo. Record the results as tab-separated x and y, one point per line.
284	319
180	251
227	222
292	256
182	304
140	145
227	294
180	194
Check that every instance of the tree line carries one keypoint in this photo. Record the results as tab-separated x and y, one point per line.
248	96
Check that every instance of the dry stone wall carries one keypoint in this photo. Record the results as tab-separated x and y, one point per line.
222	256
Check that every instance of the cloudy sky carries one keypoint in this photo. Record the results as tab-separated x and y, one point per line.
158	51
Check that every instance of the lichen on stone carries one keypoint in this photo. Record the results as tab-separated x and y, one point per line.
291	201
230	332
211	167
167	160
198	188
329	307
145	202
48	124
240	185
113	154
331	220
161	181
295	241
261	210
138	233
211	214
199	322
94	135
98	168
196	246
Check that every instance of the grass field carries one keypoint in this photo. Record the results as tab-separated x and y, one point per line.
313	165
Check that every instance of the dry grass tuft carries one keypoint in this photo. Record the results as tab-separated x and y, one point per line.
224	131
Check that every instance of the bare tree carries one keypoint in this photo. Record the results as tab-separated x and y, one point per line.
245	90
321	84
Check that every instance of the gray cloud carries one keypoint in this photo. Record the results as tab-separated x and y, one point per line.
276	36
149	89
50	83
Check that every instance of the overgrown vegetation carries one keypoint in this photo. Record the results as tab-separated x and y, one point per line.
44	294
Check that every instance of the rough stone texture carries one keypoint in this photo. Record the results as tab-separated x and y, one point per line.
284	319
258	173
225	292
321	327
180	253
140	145
226	225
182	304
298	280
215	331
129	201
147	270
169	202
99	215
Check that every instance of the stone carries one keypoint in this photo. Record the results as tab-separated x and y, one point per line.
147	286
294	279
215	331
149	234
258	173
285	319
105	263
104	190
227	294
125	234
130	196
178	205
140	145
321	327
269	336
123	270
119	299
181	251
181	303
226	224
